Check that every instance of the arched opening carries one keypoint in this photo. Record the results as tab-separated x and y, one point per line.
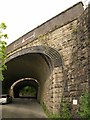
25	88
36	62
31	65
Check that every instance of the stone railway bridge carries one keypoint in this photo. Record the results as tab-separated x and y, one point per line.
54	58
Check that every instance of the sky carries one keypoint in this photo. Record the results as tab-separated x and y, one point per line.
21	16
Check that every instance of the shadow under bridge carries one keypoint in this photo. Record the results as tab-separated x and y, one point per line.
36	62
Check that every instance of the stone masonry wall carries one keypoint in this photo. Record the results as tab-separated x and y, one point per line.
79	72
72	78
61	40
73	45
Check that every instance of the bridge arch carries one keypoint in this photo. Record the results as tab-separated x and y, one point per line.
35	62
20	84
50	52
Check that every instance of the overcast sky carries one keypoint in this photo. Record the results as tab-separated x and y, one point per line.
21	16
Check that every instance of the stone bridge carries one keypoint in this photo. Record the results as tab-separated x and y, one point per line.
54	58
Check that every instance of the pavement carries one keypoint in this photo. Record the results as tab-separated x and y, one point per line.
23	108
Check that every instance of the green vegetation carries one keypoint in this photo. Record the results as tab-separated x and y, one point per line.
48	113
2	50
84	109
28	91
64	111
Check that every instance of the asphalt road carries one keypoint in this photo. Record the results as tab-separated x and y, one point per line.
23	108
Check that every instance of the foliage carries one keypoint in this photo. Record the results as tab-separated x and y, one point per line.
2	50
28	90
65	109
49	114
64	112
84	109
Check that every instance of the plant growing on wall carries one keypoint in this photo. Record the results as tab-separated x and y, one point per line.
65	112
84	109
2	50
65	109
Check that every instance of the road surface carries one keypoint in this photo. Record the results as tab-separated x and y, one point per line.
23	108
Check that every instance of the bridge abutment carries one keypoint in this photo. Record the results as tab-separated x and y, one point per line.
62	50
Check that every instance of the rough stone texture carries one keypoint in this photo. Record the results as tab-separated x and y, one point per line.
80	57
71	40
78	69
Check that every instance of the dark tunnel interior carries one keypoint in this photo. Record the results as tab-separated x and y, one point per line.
22	84
30	65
